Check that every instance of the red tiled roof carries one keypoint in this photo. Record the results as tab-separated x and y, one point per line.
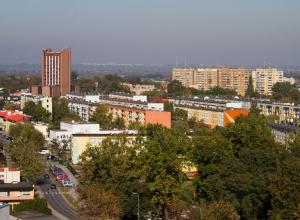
14	116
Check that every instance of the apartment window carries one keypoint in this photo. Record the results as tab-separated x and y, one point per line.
3	193
25	193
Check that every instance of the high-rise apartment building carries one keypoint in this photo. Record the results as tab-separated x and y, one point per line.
56	72
184	75
264	79
207	78
236	79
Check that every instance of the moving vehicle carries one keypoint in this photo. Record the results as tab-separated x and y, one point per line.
52	186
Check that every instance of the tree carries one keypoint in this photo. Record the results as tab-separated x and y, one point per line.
250	89
118	123
96	203
61	112
160	166
25	148
102	116
180	115
111	165
37	112
220	210
9	106
280	90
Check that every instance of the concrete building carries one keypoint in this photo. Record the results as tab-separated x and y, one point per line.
56	72
212	116
67	129
286	112
264	79
206	78
9	175
10	117
45	101
283	132
236	79
184	75
81	141
13	191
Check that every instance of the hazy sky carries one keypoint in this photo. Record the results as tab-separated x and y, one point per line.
211	32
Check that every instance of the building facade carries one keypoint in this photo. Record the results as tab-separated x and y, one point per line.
45	101
206	78
56	72
12	191
212	116
264	79
10	117
184	75
81	141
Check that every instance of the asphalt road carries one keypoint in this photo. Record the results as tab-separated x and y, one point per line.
56	201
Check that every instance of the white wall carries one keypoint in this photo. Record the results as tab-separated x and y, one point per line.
92	98
141	98
156	106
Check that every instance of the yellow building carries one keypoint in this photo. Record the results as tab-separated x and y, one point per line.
80	142
264	79
205	78
236	79
184	75
285	112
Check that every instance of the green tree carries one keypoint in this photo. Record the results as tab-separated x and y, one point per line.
180	115
220	210
160	166
250	89
280	90
37	112
25	148
61	112
102	116
96	203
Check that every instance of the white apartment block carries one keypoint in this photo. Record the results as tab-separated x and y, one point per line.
9	175
264	79
45	101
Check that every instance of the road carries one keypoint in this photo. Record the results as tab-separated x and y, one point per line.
53	197
56	200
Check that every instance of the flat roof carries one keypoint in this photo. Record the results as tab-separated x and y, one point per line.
26	186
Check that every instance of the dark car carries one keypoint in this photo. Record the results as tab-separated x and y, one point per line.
52	186
46	176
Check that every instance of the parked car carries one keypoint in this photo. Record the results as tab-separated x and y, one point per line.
67	183
46	176
44	152
51	157
52	186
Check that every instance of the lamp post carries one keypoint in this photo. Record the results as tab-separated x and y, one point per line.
138	198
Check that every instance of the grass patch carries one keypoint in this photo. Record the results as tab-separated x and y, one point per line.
38	204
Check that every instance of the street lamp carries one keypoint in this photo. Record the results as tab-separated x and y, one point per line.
138	197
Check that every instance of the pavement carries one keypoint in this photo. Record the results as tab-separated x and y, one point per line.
27	215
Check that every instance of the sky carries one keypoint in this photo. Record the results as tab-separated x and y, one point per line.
159	32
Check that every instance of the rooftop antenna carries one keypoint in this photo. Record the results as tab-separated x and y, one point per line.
185	61
176	61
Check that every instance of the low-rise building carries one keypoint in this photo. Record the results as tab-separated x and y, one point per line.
81	141
13	191
129	110
45	101
286	112
283	132
212	116
67	129
10	117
